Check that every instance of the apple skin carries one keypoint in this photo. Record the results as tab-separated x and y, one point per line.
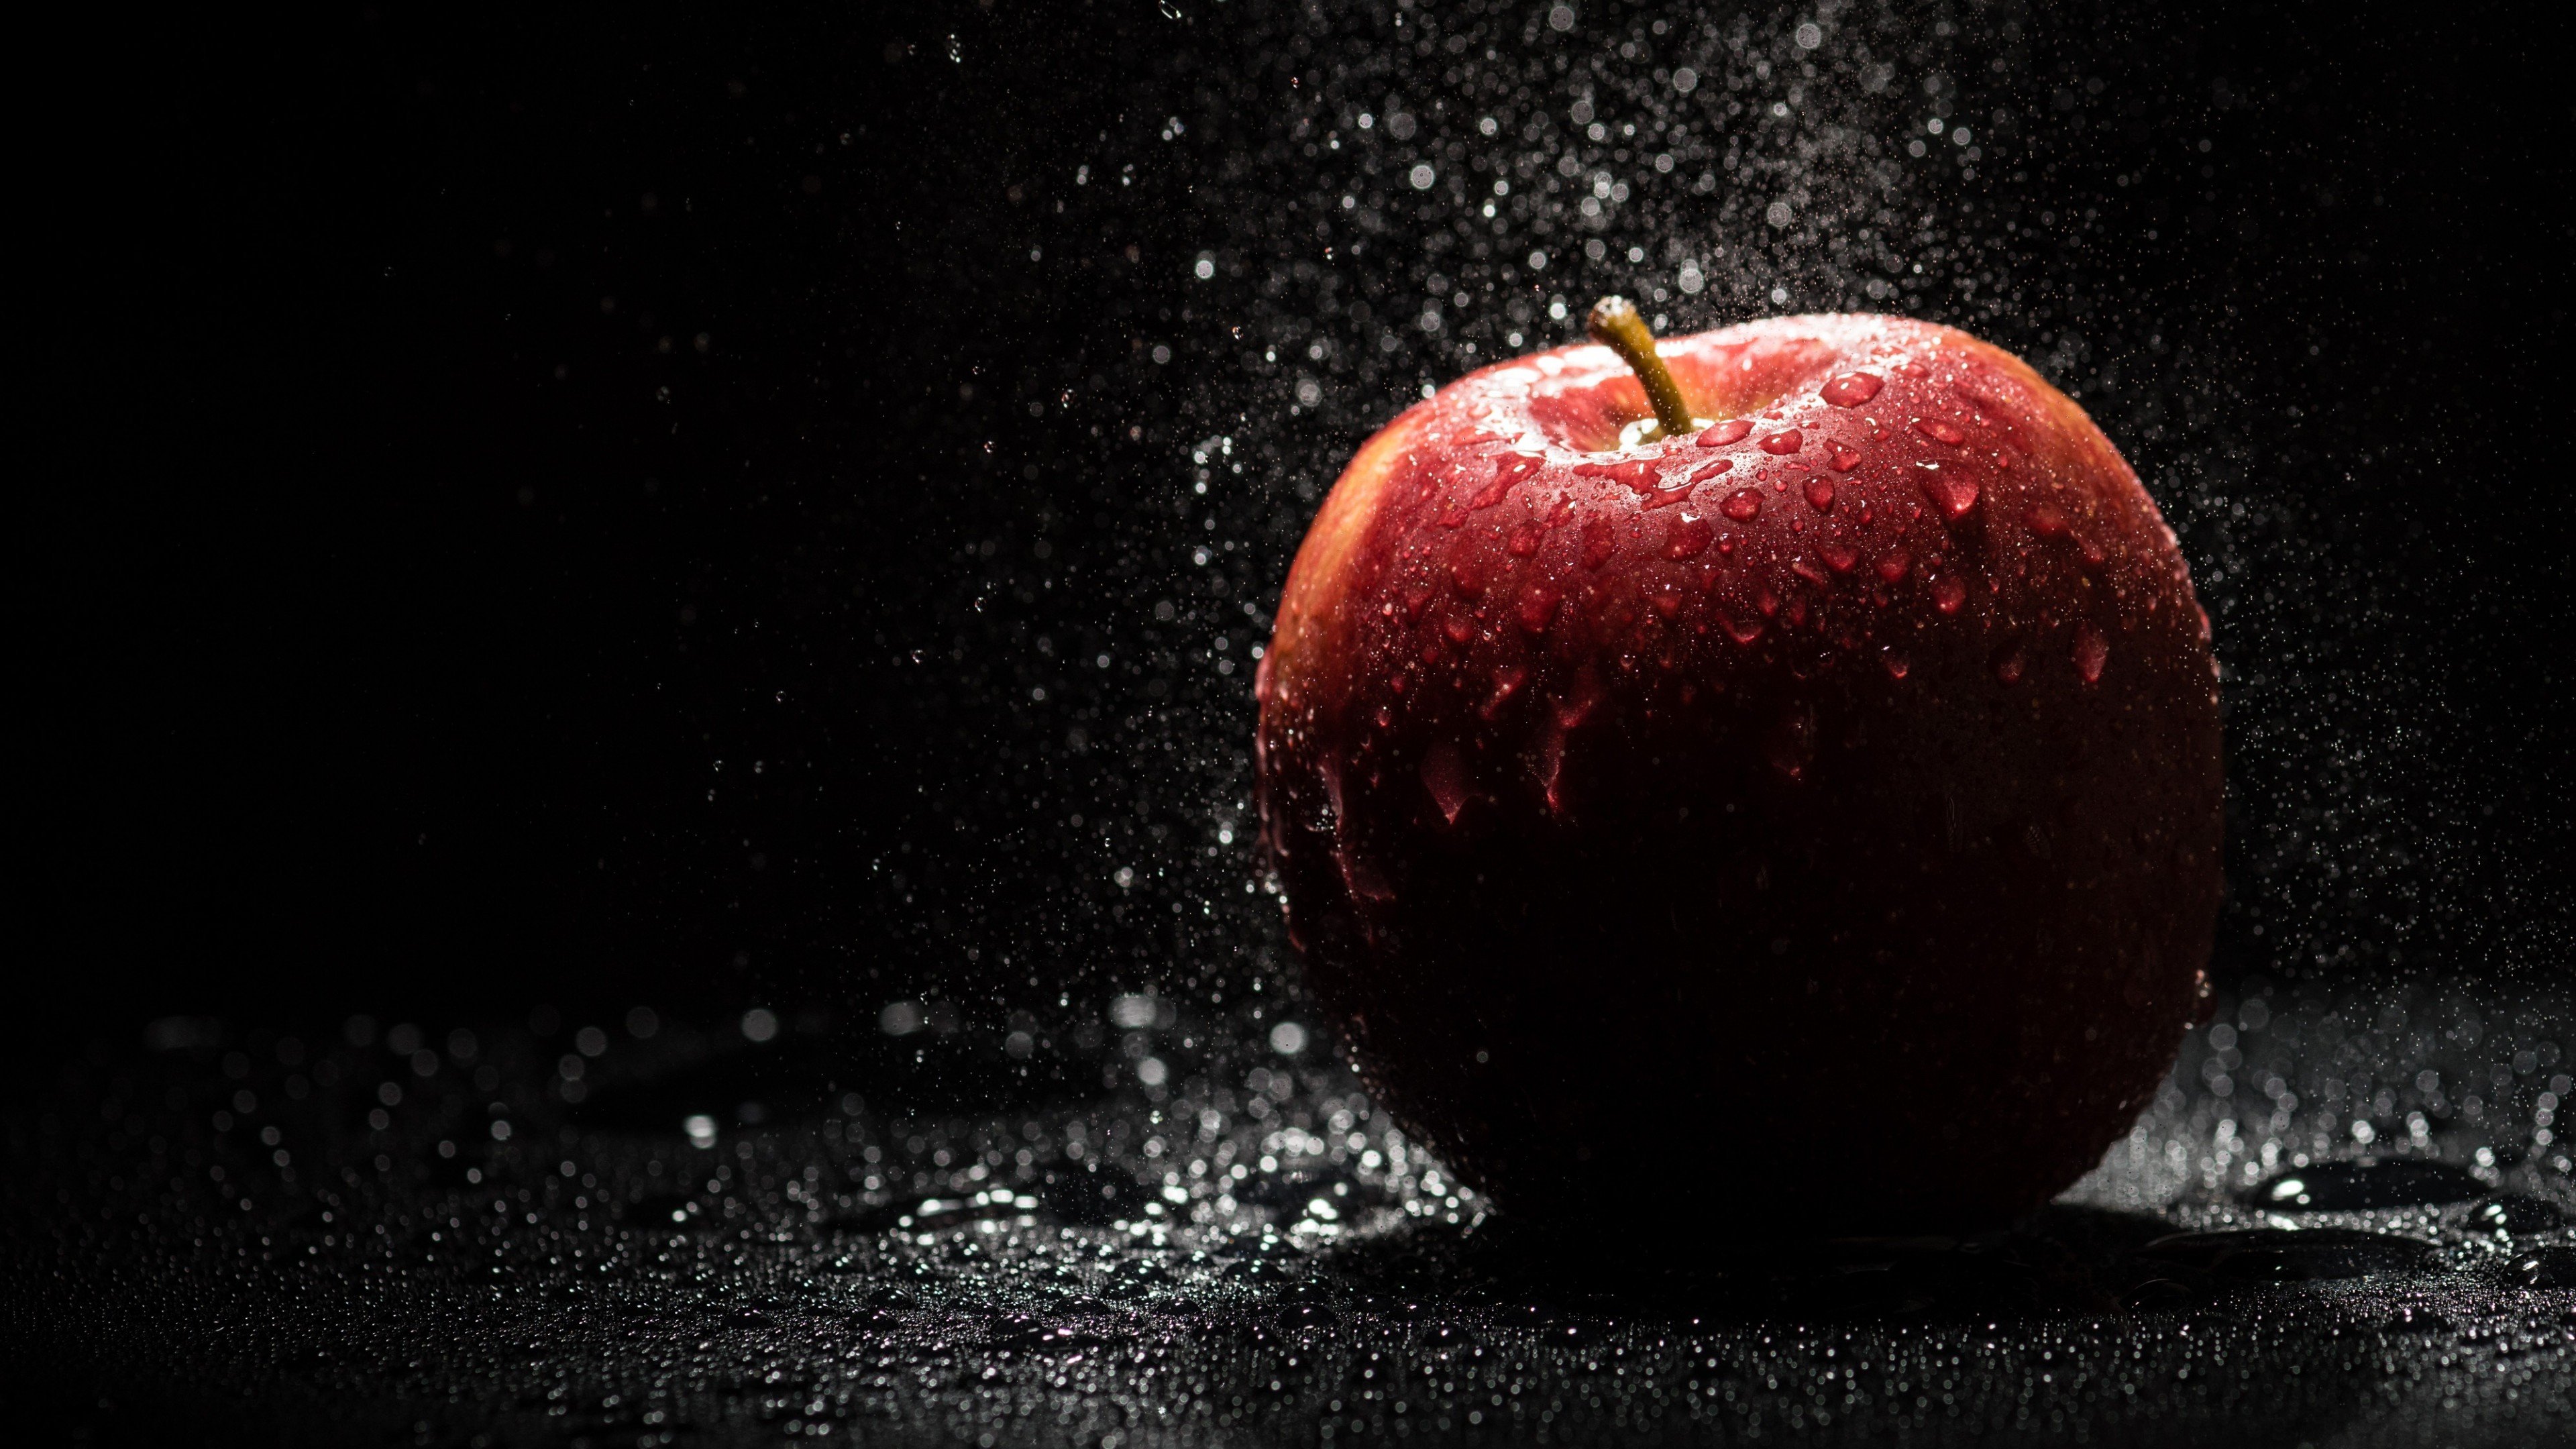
1831	843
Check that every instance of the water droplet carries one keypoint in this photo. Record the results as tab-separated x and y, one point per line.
1820	493
1733	430
1538	608
1640	474
2273	1255
1851	389
1845	459
1459	628
1525	540
2010	662
1445	775
1839	556
1952	493
1940	432
1706	471
1598	543
1742	631
1914	370
1464	578
2355	1184
1667	601
1806	569
2091	652
1667	497
2046	520
1509	469
1784	442
1948	593
1891	569
2553	1267
2514	1214
1893	661
1416	595
1741	505
1688	537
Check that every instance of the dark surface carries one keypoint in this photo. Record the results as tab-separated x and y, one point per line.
408	632
212	1241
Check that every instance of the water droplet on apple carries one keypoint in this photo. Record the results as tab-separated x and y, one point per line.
2092	651
1464	578
1940	432
1525	540
2046	520
1742	631
1948	593
1851	389
1538	608
1706	471
2010	662
1952	493
1893	660
1839	556
1892	567
1688	537
1733	430
1784	442
1845	459
1445	775
1509	469
1667	497
1741	505
1459	628
1416	595
1598	543
1820	493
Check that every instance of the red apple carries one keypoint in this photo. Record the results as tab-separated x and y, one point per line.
1815	812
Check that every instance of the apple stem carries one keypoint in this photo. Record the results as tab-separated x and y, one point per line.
1616	324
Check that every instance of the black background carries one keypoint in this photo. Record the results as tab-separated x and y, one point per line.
397	563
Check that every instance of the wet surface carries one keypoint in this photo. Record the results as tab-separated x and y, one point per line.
1130	1237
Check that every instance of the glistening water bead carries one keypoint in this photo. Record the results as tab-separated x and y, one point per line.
1933	842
